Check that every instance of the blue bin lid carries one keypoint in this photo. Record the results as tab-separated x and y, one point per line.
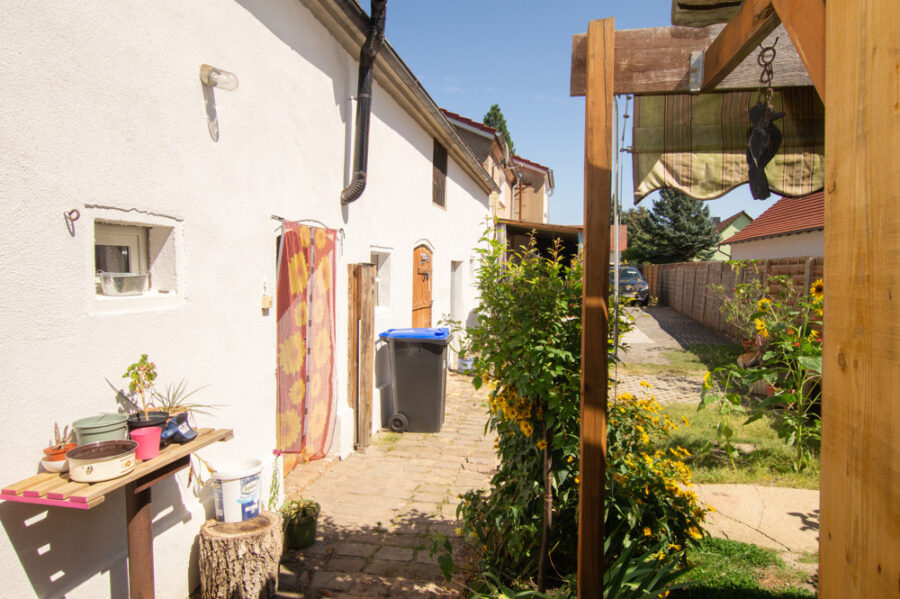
422	334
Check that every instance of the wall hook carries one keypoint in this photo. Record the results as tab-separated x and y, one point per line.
71	216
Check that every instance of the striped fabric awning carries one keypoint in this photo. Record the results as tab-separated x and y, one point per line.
698	143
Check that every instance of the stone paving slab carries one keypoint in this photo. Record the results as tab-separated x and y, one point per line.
381	507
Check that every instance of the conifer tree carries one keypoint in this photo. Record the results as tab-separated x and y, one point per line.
494	118
677	229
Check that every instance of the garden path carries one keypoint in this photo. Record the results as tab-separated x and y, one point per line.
382	506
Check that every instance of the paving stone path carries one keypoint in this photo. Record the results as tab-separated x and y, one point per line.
381	507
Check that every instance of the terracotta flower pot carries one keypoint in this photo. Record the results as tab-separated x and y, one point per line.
58	453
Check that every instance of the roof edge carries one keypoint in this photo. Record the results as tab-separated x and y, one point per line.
347	22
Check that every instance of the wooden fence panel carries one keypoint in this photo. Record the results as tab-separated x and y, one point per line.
685	286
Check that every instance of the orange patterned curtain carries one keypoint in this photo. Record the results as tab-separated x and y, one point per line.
306	384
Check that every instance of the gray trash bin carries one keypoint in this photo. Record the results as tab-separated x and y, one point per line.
418	362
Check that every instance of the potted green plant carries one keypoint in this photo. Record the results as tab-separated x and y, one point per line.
299	521
142	374
459	344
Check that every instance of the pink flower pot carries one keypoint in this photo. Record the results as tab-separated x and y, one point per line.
148	442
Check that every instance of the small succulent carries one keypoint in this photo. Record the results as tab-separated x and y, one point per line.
61	439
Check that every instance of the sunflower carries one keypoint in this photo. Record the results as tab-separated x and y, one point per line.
542	445
761	327
707	380
763	303
817	290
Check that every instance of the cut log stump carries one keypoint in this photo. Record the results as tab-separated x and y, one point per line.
239	560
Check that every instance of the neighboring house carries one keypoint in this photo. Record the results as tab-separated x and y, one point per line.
790	227
524	186
105	120
726	229
517	236
532	191
490	148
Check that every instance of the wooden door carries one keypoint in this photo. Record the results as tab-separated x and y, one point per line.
421	307
361	348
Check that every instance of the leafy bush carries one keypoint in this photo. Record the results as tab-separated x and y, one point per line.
527	349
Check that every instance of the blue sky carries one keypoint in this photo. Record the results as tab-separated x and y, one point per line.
516	53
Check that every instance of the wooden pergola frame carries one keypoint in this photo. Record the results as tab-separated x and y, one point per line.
859	72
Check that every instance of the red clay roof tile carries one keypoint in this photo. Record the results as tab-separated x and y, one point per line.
786	216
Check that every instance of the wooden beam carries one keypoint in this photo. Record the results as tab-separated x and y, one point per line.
657	60
595	314
859	539
804	21
741	36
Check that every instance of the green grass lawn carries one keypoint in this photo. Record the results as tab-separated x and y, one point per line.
695	360
767	461
730	570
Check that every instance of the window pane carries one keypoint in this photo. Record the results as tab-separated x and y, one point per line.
111	258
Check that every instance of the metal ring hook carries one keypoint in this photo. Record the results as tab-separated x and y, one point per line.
71	216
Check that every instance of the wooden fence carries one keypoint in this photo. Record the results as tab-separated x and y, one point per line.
685	286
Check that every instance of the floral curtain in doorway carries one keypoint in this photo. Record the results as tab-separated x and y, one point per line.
306	335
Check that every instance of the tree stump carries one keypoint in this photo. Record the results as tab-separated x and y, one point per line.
239	560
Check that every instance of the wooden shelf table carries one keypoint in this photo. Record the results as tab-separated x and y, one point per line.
56	489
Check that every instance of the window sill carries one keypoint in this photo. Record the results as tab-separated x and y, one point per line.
145	302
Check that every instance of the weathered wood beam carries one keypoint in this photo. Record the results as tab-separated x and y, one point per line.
595	311
741	36
700	13
804	20
657	60
859	538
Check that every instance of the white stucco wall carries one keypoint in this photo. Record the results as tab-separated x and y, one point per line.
800	244
104	113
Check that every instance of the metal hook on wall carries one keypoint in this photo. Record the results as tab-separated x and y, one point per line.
71	216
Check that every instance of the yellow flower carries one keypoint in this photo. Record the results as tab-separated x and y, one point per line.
647	531
761	327
763	303
571	459
458	531
526	428
542	445
577	480
646	384
817	290
707	380
695	532
686	422
813	336
710	508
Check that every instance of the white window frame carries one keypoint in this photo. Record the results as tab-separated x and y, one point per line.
131	236
381	258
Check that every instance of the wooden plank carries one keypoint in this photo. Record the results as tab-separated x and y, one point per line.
859	552
366	383
657	60
352	335
595	311
19	487
51	484
741	36
804	21
700	13
65	491
139	519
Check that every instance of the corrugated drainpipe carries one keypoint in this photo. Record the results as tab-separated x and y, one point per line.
364	101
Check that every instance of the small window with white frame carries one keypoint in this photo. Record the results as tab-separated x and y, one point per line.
132	259
382	262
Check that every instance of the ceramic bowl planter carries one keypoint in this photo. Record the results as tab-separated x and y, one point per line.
300	519
105	460
58	452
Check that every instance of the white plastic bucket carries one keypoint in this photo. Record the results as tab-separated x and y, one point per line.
236	487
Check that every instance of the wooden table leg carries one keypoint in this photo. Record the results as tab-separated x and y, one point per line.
138	514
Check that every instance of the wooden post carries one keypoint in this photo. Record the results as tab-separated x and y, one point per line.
859	539
139	516
352	336
365	284
595	311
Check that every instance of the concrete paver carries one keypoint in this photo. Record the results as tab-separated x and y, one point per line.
382	506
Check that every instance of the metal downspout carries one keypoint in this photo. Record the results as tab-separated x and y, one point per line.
367	55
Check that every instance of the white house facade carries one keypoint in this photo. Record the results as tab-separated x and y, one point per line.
109	138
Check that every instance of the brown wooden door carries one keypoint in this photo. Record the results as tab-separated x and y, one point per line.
421	307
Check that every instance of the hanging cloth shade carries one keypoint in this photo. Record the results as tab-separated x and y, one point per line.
698	143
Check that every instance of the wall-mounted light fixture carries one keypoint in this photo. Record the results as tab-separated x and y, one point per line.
213	77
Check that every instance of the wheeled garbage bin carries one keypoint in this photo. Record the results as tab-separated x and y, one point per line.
418	363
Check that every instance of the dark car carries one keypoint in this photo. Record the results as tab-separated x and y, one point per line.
632	285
